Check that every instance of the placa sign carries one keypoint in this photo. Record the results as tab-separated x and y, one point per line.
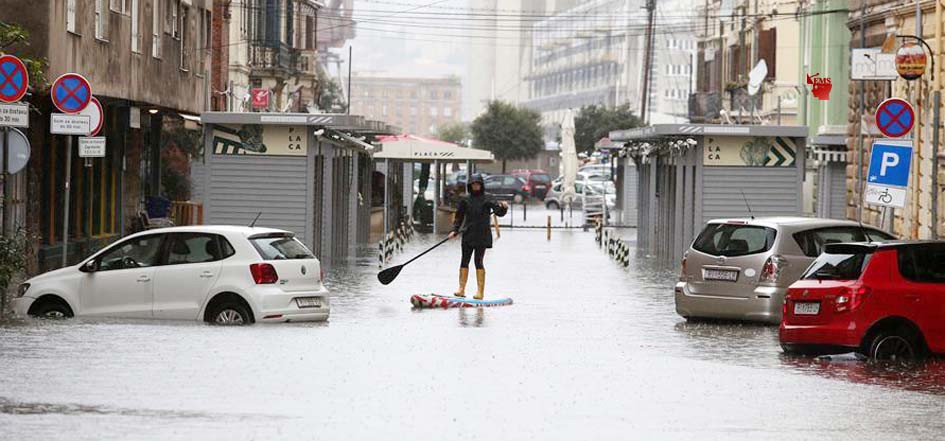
92	147
258	139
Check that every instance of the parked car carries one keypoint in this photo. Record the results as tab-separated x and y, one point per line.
537	181
226	275
595	169
884	300
553	200
507	187
741	268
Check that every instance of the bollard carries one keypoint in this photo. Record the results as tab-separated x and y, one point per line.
549	227
524	210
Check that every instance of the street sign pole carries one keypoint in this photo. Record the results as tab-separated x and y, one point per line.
7	193
936	118
65	203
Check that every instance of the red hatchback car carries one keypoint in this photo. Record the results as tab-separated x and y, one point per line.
537	182
885	300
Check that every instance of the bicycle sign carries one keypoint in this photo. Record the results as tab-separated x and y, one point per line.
888	177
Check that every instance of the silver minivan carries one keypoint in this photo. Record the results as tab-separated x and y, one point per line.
740	269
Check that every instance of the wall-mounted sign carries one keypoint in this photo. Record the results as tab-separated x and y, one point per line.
257	139
911	61
260	97
820	87
92	147
736	151
873	64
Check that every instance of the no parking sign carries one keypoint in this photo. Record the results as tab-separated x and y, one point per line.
71	92
895	117
14	81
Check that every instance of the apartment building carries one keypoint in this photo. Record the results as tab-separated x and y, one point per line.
418	105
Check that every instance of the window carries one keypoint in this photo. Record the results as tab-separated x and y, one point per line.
139	252
279	247
922	263
116	5
197	248
171	16
135	31
184	53
433	112
447	112
309	32
70	15
837	266
100	17
156	29
811	242
734	240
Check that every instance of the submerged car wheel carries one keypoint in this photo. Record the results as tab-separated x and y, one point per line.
552	205
230	313
896	345
51	309
518	199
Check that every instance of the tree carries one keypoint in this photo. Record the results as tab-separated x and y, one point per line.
595	122
329	96
509	132
457	133
13	35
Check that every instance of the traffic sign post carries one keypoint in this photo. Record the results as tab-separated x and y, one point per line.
888	177
14	82
71	92
895	117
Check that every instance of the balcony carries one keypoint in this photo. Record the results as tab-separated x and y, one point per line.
280	60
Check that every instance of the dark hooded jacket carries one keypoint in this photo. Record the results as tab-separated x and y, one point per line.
474	215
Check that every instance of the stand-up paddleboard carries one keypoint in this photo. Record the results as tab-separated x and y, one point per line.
438	301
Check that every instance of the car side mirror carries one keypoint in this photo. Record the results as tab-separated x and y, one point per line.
90	266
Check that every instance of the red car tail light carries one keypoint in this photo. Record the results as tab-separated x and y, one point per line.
851	298
526	188
771	269
264	273
784	306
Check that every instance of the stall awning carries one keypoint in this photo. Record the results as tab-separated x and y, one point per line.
355	141
418	149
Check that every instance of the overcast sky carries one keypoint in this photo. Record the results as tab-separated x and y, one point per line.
382	47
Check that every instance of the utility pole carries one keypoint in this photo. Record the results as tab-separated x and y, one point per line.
936	118
859	134
647	59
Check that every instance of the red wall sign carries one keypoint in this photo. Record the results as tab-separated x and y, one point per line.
820	87
260	98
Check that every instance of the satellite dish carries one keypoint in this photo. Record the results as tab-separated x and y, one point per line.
757	76
19	151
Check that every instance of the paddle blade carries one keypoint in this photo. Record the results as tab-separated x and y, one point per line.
388	275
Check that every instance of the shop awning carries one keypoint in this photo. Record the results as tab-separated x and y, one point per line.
418	149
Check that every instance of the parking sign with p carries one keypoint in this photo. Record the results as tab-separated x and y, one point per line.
888	177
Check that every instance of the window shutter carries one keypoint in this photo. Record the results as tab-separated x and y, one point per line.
767	50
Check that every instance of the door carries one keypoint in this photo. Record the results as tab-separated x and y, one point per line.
194	262
922	296
122	285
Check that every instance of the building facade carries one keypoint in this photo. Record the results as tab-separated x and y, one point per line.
418	105
271	46
130	51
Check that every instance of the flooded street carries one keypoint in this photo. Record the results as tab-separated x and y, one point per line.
588	350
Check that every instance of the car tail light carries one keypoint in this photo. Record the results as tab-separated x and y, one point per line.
526	188
264	273
851	298
771	269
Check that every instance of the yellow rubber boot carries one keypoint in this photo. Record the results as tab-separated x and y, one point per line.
463	276
481	280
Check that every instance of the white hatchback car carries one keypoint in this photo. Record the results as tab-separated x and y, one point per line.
228	275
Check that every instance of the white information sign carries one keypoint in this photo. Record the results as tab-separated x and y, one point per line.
15	115
885	195
63	124
873	64
92	147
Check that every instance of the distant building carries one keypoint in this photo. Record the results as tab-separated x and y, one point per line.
418	105
593	54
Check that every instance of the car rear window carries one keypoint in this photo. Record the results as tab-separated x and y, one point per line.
733	240
280	247
837	267
541	179
812	242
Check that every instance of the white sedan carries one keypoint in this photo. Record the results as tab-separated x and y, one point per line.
226	275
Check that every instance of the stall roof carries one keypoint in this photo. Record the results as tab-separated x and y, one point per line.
658	130
331	120
418	149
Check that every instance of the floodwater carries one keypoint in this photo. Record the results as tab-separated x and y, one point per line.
589	350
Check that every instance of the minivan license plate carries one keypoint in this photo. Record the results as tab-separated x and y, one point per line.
723	275
806	308
308	302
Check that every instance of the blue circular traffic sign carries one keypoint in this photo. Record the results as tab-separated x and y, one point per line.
895	117
13	79
71	92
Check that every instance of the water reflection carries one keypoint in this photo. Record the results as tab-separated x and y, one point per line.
926	376
477	320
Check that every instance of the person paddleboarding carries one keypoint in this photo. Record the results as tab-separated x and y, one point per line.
472	221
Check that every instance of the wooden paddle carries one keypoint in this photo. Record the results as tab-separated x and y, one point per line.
388	275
